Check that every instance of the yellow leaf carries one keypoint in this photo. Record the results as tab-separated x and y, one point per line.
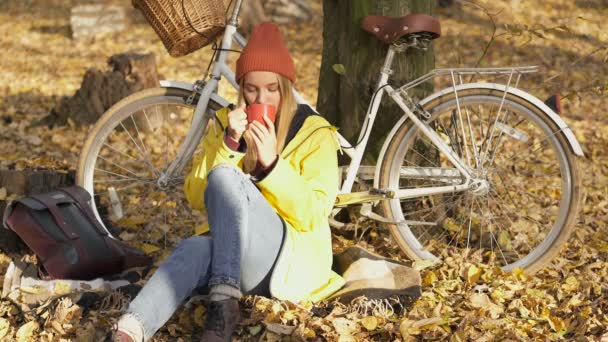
309	334
5	326
451	225
570	285
473	274
419	265
346	338
519	273
199	314
26	332
556	323
185	320
132	222
62	287
276	308
369	323
201	228
148	248
504	240
405	328
429	278
289	315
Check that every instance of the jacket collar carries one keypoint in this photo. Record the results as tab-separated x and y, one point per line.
302	113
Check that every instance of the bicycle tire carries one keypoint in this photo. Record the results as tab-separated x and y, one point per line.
107	135
416	247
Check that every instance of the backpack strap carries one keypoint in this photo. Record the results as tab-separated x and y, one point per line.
82	198
51	204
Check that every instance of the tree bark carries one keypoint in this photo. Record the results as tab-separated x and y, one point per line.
344	99
253	13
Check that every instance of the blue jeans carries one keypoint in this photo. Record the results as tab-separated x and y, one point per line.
246	239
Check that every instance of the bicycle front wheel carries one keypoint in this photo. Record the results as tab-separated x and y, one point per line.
527	191
125	155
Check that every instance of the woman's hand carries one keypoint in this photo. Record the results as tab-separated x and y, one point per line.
237	123
265	141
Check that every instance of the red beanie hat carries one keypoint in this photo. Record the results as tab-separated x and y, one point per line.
265	51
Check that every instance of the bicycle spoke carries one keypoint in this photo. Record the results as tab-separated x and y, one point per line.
438	220
143	154
472	135
510	159
516	213
509	218
470	222
491	235
121	152
119	166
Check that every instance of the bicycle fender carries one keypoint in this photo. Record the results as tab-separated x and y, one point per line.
568	134
190	87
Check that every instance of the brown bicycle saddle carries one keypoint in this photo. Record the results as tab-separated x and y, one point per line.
389	29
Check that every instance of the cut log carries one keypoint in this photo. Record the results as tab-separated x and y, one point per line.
99	90
31	182
89	20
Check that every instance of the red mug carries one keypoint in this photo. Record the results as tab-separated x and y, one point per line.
256	112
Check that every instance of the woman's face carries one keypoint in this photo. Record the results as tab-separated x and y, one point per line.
262	87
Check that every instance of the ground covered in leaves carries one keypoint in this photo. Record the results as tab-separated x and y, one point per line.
462	299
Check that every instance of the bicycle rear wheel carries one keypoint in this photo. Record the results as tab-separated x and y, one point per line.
525	206
127	151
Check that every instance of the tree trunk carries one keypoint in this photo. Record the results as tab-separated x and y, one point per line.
252	13
344	99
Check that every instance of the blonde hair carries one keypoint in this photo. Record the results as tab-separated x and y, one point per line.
285	114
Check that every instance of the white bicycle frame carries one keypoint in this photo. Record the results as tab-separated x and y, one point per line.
461	171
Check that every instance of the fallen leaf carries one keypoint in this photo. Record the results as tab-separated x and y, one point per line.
148	248
199	314
255	329
61	288
280	328
369	323
5	327
473	274
344	326
26	332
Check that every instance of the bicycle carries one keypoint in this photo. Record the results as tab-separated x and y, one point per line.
477	166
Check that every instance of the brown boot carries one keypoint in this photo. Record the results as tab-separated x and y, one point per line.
222	318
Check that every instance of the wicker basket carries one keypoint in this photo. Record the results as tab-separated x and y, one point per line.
168	20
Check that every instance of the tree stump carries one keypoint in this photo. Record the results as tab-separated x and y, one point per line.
89	20
130	72
25	183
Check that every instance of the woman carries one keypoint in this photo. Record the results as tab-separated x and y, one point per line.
268	191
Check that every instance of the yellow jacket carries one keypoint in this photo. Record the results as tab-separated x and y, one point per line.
302	188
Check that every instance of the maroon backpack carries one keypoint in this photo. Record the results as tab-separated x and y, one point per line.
70	243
